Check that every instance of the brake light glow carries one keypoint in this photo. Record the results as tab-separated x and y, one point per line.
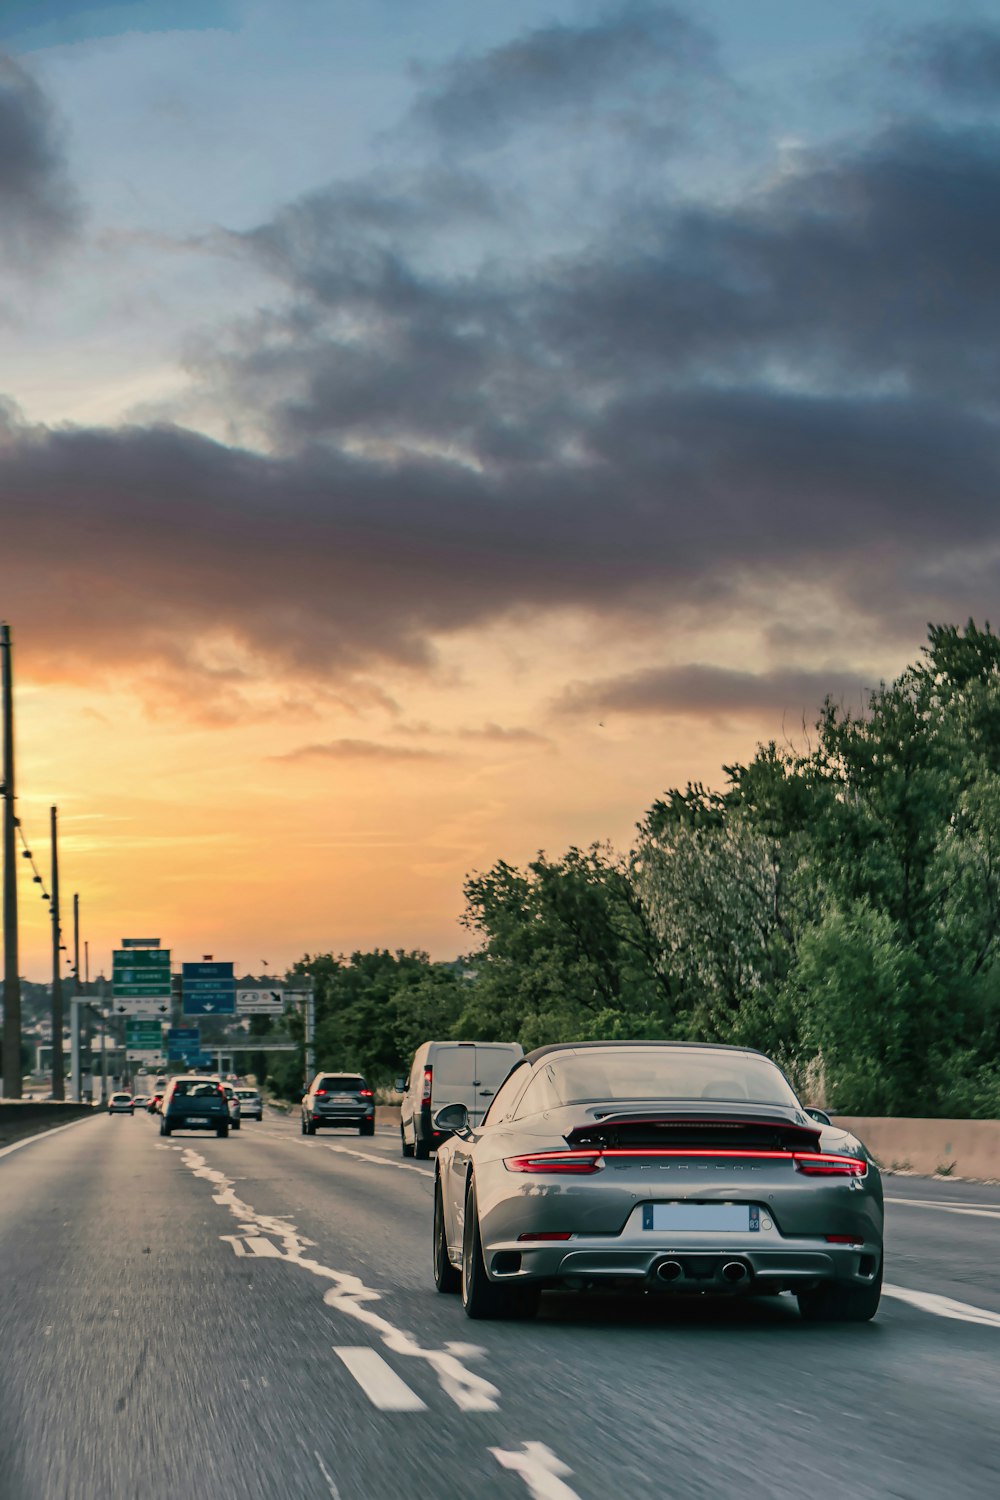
583	1162
550	1236
823	1164
321	1093
578	1163
843	1239
425	1097
364	1093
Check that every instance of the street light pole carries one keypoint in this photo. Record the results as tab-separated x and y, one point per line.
11	1087
58	1085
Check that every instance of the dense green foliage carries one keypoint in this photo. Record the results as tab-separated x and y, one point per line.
836	905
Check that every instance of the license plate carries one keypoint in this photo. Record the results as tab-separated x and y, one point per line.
197	1119
342	1099
707	1218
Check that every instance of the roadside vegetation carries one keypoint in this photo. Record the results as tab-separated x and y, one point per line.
836	904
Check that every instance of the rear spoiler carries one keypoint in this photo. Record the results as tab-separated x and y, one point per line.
695	1127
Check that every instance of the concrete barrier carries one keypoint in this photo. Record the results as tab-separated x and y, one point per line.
21	1117
949	1148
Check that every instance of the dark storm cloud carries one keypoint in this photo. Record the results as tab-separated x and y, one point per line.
694	411
962	61
38	208
559	68
699	690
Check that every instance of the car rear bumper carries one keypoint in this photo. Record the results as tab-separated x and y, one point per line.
358	1117
180	1122
705	1264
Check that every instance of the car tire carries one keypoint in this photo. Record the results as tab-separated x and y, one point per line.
406	1150
310	1127
235	1125
222	1131
421	1149
835	1302
165	1129
481	1297
367	1127
302	1124
446	1278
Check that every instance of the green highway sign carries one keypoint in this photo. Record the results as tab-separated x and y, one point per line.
144	1034
140	972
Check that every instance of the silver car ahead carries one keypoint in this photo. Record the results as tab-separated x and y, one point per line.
251	1107
657	1167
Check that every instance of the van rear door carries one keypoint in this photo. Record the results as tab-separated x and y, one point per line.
494	1061
453	1076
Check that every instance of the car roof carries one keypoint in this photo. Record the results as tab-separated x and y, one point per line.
573	1047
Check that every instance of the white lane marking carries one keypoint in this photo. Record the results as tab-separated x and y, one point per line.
45	1135
949	1208
379	1381
256	1247
383	1161
334	1492
541	1471
350	1296
944	1307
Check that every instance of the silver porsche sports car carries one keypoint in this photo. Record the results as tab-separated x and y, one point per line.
659	1167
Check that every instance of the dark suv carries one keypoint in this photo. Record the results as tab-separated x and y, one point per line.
194	1103
338	1099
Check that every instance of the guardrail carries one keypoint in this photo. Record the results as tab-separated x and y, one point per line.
942	1148
21	1117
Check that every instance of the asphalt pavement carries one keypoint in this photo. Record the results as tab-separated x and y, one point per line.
255	1318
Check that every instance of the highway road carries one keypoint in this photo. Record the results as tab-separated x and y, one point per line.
255	1318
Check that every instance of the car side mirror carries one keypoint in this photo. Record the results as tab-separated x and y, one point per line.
454	1117
819	1115
402	1084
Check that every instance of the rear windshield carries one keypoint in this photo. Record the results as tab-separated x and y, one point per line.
342	1083
245	1093
196	1087
121	1098
657	1073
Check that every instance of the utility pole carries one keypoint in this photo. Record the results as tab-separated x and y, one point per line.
11	1088
58	1086
310	1036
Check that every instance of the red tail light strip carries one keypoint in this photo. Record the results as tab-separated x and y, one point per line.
583	1163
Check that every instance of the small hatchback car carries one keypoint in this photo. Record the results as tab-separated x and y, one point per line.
338	1099
120	1104
194	1103
251	1107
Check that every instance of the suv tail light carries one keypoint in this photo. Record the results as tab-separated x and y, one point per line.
321	1093
425	1097
364	1093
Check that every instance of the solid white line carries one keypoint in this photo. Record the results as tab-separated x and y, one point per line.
944	1307
379	1381
949	1208
43	1135
382	1161
540	1469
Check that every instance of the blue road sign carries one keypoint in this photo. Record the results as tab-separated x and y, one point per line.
208	989
187	1034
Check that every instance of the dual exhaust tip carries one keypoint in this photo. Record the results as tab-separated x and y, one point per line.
733	1272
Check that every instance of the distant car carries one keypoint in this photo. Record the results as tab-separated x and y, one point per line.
251	1104
192	1102
443	1073
140	1101
153	1107
658	1166
234	1105
335	1099
120	1104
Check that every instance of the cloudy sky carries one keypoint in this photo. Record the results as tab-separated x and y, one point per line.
428	430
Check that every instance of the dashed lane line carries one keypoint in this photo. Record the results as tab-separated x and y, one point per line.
541	1470
378	1380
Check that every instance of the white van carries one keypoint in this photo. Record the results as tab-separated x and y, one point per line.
443	1073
